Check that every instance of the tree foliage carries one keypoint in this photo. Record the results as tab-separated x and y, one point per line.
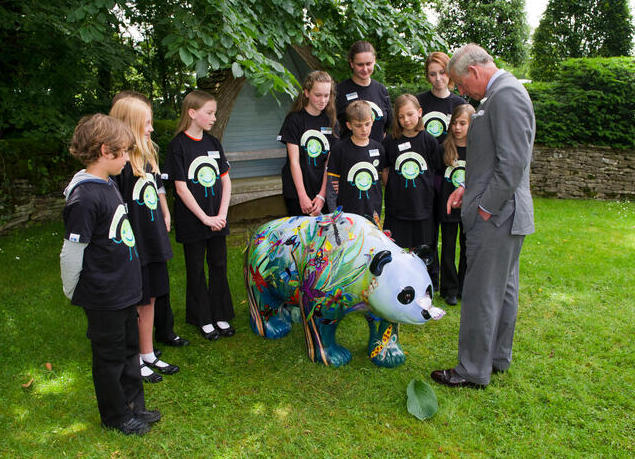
62	58
580	28
499	26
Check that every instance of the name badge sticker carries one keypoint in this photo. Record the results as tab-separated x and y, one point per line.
403	146
279	138
214	154
73	237
326	130
164	176
373	152
351	96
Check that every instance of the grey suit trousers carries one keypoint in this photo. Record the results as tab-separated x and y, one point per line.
490	300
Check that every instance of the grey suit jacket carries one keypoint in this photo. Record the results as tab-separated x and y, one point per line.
499	148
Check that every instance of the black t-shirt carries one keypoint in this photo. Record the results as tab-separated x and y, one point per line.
411	163
438	112
145	213
358	170
376	94
200	164
110	278
452	176
314	137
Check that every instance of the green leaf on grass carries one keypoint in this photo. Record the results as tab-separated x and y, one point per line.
422	401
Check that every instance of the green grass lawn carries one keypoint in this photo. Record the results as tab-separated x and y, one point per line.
569	391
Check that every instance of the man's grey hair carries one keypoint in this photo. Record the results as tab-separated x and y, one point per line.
471	54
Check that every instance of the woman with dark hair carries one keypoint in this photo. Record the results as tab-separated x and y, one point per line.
361	58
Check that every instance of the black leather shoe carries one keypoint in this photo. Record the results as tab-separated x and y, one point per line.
496	371
149	417
152	377
177	341
451	378
451	300
226	332
166	370
133	426
212	336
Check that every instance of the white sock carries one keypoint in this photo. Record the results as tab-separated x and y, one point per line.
149	357
223	325
208	328
145	371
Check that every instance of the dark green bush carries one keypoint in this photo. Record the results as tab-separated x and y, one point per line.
590	102
163	133
47	166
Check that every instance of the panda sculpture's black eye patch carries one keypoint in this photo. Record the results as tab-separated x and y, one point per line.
406	295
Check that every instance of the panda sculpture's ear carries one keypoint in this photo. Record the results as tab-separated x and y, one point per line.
379	260
426	253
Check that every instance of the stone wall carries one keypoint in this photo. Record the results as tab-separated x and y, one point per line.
587	172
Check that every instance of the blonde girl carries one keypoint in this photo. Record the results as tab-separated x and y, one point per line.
308	132
454	159
142	189
412	157
197	165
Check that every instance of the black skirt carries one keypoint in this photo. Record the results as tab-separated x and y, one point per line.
155	281
410	233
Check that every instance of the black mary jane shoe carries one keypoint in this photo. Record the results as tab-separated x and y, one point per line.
177	341
167	370
451	378
226	332
212	336
151	378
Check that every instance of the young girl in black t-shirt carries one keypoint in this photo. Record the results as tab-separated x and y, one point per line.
197	164
454	158
308	132
412	157
139	184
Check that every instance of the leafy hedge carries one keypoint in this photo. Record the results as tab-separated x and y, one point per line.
46	164
590	102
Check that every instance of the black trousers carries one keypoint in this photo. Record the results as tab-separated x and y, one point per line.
114	337
163	319
451	279
207	301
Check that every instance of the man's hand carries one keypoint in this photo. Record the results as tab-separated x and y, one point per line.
484	215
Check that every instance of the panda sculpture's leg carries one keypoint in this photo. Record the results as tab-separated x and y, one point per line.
266	315
320	341
384	349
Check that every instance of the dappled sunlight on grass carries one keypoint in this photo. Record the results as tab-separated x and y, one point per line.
565	298
258	408
56	385
282	412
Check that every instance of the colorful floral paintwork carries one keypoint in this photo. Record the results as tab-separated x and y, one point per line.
331	265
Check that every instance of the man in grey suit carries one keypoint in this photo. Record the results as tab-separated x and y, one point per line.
497	212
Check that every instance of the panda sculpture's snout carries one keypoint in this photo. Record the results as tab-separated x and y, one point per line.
402	289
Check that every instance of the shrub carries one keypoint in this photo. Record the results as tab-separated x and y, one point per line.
590	102
47	166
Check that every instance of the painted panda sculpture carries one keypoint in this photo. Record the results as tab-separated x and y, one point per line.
331	265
